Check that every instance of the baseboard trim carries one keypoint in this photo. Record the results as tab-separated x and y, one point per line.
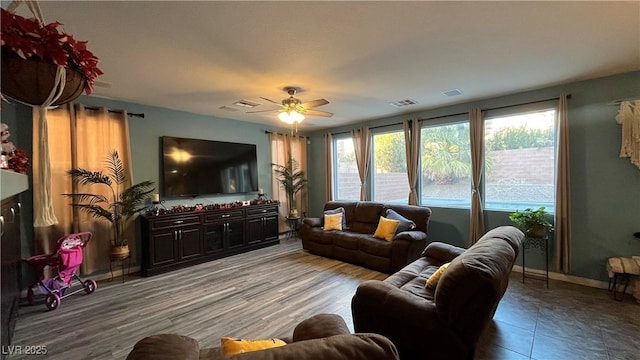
570	278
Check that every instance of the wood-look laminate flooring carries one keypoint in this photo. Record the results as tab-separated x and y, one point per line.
260	294
265	293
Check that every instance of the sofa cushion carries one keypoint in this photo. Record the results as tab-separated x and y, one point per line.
373	246
404	225
231	346
386	228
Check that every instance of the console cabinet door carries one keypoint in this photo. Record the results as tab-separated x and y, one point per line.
163	247
271	228
262	224
235	234
214	238
189	244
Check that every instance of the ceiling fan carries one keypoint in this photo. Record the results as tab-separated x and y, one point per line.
293	110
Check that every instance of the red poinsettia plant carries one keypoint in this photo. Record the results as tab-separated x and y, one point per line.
28	38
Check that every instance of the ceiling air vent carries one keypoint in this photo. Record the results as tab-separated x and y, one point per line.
245	104
454	92
228	108
403	103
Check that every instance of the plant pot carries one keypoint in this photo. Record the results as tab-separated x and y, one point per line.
537	232
293	213
31	81
119	252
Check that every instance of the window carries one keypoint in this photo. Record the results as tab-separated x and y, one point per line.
445	157
520	160
346	178
389	170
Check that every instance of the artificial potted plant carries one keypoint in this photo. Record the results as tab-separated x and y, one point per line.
292	180
533	223
31	54
119	207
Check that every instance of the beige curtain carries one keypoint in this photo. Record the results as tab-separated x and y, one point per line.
412	145
476	131
328	166
362	146
82	138
562	257
281	145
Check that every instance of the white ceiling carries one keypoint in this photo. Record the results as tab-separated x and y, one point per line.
360	56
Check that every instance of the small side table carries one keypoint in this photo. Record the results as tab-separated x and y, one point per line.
536	242
122	259
294	225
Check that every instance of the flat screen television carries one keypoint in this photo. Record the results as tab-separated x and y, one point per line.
192	167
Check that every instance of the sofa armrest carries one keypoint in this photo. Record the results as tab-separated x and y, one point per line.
313	222
165	347
337	347
442	251
406	247
320	326
411	235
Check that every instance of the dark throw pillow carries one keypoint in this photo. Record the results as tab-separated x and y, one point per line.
405	224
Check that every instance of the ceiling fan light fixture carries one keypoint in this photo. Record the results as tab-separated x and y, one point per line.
290	117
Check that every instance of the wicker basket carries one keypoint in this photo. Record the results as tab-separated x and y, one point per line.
31	81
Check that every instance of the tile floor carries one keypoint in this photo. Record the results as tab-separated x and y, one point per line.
564	322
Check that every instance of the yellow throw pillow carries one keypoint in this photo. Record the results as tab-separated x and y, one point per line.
232	346
432	281
386	228
333	222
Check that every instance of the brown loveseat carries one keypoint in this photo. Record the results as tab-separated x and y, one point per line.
356	243
445	322
323	336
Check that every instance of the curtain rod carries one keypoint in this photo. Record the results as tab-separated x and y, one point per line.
277	133
464	113
140	115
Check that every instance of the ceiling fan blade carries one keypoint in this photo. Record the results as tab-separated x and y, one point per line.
259	111
318	113
314	103
269	100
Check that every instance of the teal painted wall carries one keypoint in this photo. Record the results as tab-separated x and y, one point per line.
605	189
145	143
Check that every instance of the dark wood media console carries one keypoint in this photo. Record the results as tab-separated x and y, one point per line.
174	241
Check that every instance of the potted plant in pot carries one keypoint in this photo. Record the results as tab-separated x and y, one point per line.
119	207
292	180
533	223
31	54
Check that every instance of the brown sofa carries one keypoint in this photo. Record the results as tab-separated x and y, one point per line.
323	336
445	322
356	243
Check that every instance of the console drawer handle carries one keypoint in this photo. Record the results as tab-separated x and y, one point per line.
225	215
178	221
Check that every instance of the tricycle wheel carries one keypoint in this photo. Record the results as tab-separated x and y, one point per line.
89	286
52	301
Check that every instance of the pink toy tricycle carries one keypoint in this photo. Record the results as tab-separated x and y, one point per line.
67	259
